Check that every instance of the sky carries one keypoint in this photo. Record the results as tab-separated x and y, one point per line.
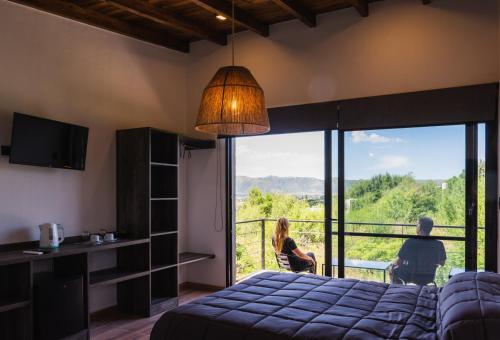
427	153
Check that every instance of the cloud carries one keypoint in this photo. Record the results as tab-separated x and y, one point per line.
283	164
392	162
363	137
243	150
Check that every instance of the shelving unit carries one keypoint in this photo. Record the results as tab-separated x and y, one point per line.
147	206
147	184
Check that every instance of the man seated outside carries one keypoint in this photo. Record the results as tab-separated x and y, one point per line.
418	259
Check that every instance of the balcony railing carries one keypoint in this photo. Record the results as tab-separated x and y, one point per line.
253	238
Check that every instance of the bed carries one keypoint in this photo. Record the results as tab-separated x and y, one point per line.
280	306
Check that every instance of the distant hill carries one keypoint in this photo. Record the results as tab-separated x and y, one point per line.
287	185
298	186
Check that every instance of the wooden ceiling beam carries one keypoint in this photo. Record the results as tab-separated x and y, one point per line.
361	6
151	12
241	17
298	11
70	10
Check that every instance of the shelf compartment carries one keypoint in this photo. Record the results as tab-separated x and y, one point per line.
164	290
14	285
134	296
186	258
113	275
164	147
163	182
163	216
164	250
15	324
131	262
6	305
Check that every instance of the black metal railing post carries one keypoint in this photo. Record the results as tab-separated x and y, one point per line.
263	242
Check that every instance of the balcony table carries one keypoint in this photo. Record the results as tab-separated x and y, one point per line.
455	271
360	264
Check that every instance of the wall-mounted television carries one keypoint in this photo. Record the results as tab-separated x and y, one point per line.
48	143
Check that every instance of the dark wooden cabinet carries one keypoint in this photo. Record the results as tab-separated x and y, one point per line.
147	205
15	301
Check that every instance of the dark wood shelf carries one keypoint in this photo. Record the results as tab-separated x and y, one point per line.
147	206
7	305
18	256
196	144
159	267
113	275
186	258
163	164
161	233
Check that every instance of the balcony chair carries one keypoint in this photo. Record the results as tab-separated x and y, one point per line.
419	273
284	263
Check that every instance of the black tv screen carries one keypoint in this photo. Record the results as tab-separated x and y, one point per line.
49	143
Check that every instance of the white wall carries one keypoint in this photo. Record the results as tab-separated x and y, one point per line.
205	218
402	46
64	70
60	69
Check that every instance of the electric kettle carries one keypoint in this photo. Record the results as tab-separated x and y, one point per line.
51	235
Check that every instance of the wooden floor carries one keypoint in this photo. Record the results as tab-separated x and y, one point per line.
114	325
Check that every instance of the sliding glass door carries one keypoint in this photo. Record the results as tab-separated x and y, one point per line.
363	215
393	178
278	176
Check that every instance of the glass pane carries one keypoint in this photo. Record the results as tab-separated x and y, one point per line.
481	197
335	196
393	178
278	176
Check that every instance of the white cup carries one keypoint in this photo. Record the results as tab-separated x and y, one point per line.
95	238
109	237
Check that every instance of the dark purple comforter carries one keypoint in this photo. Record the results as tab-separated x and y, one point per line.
280	306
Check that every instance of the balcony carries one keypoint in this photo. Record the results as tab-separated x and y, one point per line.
368	246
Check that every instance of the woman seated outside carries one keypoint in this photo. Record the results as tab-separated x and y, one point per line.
283	244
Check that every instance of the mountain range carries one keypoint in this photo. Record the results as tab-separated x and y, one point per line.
298	186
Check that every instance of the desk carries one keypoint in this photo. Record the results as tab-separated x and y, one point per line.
361	264
134	275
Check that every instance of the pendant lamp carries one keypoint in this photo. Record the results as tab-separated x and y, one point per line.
233	103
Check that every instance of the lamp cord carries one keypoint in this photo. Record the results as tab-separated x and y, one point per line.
232	30
218	192
218	172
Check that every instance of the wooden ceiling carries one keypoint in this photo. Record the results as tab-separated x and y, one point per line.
176	23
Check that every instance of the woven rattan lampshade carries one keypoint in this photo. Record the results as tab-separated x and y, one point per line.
233	104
